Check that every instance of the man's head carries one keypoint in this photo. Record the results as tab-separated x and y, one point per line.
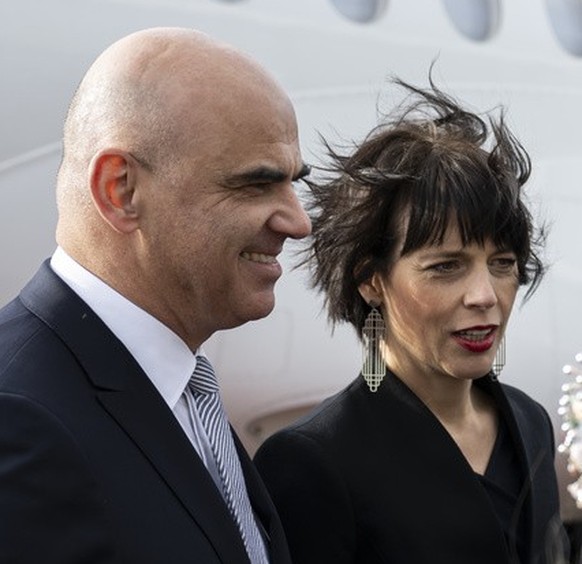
176	185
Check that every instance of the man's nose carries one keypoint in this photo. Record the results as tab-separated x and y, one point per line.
291	219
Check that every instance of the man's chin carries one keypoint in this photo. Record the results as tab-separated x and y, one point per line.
254	312
263	311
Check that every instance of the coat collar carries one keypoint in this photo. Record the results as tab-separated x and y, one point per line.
130	398
530	449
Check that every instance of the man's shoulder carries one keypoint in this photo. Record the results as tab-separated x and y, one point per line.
23	338
17	327
29	348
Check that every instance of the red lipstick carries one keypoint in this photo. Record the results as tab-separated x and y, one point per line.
476	339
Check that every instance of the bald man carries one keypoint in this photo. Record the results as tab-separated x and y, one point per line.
175	197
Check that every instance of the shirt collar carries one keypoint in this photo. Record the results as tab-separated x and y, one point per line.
163	356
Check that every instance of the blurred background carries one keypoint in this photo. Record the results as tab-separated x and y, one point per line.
335	59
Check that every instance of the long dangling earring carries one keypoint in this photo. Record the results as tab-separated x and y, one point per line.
499	361
374	368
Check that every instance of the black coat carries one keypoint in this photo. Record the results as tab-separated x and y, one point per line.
373	478
94	467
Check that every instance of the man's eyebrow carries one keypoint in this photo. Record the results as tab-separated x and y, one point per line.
263	175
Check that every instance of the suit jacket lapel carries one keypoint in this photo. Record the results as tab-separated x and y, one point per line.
131	399
164	444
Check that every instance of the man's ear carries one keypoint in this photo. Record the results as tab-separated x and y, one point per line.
113	183
371	290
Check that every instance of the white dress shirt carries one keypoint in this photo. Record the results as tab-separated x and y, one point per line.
163	356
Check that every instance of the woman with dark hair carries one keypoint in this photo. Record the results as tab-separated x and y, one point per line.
421	238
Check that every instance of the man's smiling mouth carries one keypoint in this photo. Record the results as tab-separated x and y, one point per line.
259	257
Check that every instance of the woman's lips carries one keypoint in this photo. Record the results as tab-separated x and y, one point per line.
476	339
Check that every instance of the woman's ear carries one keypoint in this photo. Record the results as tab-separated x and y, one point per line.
113	185
371	291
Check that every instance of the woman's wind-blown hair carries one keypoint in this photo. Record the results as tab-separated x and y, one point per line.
427	163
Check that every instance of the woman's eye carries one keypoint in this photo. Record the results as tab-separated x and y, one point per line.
444	267
505	264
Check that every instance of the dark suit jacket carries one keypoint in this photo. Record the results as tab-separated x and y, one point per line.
373	478
94	467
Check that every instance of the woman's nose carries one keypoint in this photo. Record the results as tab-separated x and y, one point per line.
480	291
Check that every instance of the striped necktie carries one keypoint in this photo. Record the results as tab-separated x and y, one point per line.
204	387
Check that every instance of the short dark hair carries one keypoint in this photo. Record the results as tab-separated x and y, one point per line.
429	161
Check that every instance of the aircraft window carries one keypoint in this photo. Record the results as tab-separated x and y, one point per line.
475	19
566	20
362	11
